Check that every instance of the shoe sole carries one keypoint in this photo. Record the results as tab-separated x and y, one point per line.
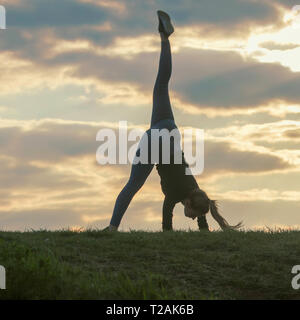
166	22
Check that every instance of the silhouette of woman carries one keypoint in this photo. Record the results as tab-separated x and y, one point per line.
175	184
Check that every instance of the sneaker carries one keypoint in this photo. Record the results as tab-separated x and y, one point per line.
109	229
165	24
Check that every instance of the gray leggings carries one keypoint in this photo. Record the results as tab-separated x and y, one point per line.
162	117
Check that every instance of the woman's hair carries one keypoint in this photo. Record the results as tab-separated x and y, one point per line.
213	207
201	202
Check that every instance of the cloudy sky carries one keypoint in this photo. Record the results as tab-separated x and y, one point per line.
71	67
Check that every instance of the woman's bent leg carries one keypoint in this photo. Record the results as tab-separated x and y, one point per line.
138	176
161	101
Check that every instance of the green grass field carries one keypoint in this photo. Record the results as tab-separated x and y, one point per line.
149	265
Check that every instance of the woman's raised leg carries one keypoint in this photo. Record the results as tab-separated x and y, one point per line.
161	101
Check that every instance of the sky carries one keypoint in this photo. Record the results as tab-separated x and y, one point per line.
69	68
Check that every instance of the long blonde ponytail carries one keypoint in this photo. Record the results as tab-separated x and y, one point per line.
213	207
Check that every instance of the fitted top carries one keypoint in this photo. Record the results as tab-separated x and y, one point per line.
175	183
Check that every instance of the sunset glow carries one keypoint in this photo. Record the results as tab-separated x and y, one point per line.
65	76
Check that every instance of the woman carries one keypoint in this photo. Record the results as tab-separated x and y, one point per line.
175	184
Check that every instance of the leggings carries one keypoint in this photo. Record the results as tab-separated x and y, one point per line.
162	117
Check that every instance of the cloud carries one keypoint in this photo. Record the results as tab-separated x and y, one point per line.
294	134
39	14
278	46
136	13
111	4
10	2
53	154
204	78
15	175
235	13
48	142
276	135
253	195
54	141
133	18
223	157
49	186
276	130
236	84
50	165
20	75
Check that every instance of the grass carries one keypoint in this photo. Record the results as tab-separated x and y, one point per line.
149	265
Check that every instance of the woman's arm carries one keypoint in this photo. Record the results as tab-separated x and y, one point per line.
202	223
168	207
